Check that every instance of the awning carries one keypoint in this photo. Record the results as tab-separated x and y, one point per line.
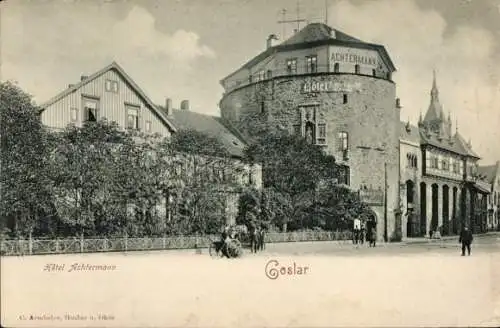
481	189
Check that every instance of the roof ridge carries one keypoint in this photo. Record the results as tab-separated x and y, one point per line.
126	78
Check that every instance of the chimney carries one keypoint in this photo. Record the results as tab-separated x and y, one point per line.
185	105
271	40
333	34
83	77
398	103
168	106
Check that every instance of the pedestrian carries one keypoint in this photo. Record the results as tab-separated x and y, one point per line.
466	240
262	238
356	230
373	237
363	233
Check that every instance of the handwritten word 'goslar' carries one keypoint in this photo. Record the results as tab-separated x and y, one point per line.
274	270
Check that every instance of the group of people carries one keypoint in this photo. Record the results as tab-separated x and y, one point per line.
364	231
256	236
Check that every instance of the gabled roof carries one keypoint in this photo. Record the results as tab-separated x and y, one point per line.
465	145
313	35
455	144
113	66
213	126
409	132
490	171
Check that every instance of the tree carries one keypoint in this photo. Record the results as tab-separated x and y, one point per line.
24	178
292	170
195	142
88	163
300	185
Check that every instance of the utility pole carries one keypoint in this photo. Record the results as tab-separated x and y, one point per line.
386	237
326	12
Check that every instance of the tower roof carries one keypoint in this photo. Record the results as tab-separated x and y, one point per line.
319	32
435	110
314	35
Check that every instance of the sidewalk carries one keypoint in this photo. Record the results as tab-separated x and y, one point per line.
424	240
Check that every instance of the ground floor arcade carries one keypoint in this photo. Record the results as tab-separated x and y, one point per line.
434	207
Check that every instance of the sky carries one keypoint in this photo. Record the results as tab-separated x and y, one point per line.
182	49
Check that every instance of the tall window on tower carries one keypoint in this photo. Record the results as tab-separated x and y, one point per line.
310	132
343	144
132	117
91	109
321	140
311	64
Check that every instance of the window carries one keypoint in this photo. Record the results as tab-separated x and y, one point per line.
262	107
260	76
389	75
132	117
374	72
445	165
111	86
456	167
434	162
344	100
148	126
356	69
250	79
74	114
269	74
311	62
344	175
91	109
412	161
297	129
321	134
336	68
343	143
291	66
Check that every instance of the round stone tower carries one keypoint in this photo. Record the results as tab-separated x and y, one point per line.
337	92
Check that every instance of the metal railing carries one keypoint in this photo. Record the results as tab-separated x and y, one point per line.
95	245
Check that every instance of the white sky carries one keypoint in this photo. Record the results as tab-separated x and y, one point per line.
181	49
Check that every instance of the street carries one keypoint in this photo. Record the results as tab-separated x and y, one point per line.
323	284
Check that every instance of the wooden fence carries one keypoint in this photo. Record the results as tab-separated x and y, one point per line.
95	245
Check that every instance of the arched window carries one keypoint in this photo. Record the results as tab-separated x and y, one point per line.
356	69
336	67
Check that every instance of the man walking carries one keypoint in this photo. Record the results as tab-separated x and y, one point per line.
356	230
466	240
